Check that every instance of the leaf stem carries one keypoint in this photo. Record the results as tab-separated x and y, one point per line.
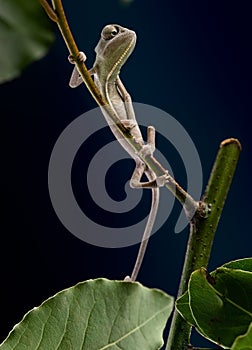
202	232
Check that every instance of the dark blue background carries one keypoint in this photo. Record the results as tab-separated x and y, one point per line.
193	60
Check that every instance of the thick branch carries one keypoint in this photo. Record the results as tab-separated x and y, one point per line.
202	232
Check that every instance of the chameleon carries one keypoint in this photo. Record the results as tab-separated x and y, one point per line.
112	51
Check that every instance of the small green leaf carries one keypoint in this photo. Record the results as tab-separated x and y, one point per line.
244	342
25	36
220	304
235	285
95	315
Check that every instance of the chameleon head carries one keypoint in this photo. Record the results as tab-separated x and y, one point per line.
113	49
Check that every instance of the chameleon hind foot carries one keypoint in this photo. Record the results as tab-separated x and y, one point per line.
163	179
149	148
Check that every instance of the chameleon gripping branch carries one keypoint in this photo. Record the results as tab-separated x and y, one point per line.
112	51
184	198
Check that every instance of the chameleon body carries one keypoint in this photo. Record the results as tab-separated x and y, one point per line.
112	51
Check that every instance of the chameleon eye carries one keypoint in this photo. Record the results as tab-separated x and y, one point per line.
109	32
114	32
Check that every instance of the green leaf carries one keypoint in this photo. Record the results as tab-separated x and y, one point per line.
183	307
95	315
220	303
25	36
235	285
241	264
244	342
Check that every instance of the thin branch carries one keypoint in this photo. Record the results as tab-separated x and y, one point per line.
190	205
74	52
50	12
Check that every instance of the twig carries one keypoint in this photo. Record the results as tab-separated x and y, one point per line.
50	12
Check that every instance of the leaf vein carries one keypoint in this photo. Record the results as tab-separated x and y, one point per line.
85	331
134	329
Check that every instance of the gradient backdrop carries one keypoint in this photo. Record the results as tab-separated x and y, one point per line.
193	61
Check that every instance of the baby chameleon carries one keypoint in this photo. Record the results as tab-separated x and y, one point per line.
112	51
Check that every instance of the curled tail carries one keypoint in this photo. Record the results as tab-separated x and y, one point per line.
147	231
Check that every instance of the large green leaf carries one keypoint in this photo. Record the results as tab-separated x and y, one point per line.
95	315
243	342
25	36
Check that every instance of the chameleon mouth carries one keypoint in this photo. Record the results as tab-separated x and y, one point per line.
123	55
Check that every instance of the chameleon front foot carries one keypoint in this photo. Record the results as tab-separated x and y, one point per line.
76	79
81	58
